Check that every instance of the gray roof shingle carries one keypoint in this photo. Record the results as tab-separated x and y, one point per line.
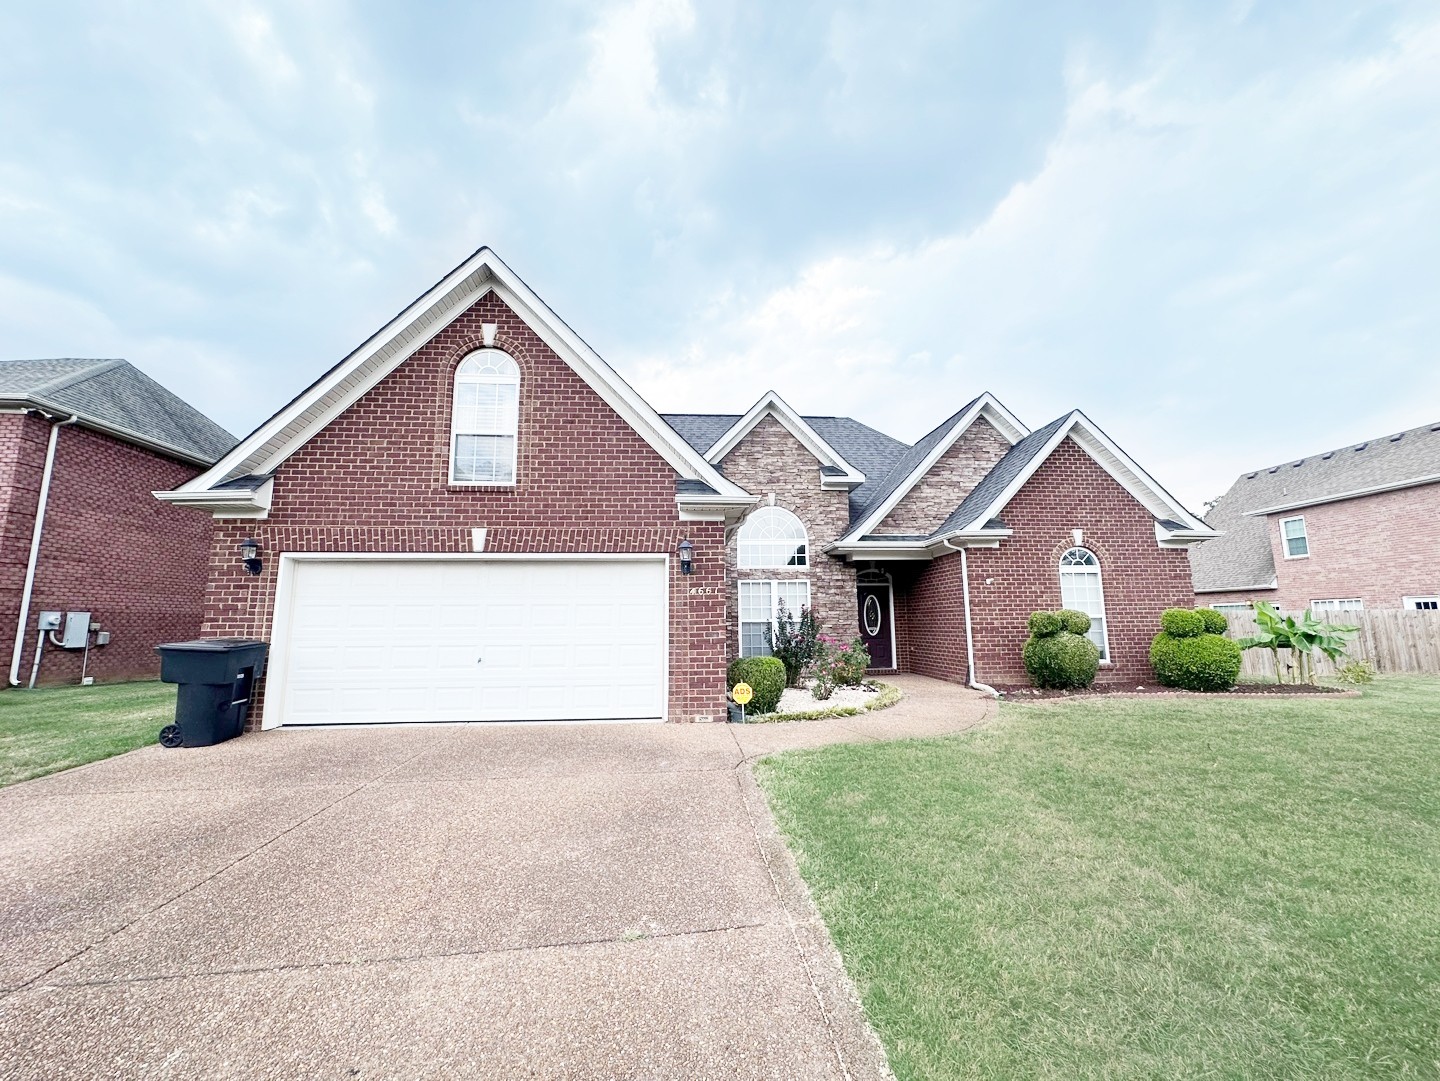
116	394
1243	559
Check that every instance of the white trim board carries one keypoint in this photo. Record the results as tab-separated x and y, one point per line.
986	406
772	405
276	668
1121	467
339	388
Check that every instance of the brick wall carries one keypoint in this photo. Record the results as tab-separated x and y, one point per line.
946	484
1068	491
376	479
109	548
1380	548
770	461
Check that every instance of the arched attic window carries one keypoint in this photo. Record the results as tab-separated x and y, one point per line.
773	537
484	419
1082	590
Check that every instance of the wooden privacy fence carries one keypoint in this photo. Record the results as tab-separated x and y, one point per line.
1390	640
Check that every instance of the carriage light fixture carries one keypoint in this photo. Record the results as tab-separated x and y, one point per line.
687	557
250	555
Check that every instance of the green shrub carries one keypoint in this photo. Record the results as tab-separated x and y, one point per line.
1073	621
1044	624
1202	662
1215	622
1059	660
1356	673
794	641
766	676
1182	622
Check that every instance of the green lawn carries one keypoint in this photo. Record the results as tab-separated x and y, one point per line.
54	728
1140	888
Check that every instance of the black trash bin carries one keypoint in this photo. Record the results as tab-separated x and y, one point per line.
216	677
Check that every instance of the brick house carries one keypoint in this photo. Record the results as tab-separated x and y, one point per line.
83	445
1343	530
473	517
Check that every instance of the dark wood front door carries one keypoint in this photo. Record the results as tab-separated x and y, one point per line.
876	617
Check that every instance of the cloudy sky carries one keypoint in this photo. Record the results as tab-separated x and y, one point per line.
1212	226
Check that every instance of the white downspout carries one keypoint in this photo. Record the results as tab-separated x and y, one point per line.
35	535
971	681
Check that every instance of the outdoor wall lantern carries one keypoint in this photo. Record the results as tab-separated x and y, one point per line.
250	555
687	557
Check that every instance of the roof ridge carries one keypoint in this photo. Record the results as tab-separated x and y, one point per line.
99	367
1325	455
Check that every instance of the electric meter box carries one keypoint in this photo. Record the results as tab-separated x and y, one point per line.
77	630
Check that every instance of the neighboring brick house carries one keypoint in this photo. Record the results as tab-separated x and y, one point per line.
473	517
1347	529
83	445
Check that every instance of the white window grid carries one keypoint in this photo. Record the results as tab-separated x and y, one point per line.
1294	539
484	419
1422	604
771	538
1081	588
1338	604
759	605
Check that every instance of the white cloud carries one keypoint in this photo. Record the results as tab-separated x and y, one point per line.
1180	261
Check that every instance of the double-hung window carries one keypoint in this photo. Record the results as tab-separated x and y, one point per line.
760	605
1082	590
484	419
1293	537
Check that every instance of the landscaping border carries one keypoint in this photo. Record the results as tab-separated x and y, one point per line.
888	696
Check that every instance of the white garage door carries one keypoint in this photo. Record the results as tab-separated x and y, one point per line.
388	641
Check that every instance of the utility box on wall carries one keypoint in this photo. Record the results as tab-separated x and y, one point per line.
77	630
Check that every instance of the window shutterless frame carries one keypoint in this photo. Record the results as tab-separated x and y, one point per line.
485	419
1082	587
1422	604
1290	533
758	599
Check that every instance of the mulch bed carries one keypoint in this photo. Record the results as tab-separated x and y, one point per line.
1021	692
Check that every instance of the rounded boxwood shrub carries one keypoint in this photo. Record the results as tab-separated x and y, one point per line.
1182	622
1056	657
1202	662
1044	624
1215	622
1073	621
766	676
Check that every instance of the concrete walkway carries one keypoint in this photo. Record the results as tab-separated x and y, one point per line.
482	901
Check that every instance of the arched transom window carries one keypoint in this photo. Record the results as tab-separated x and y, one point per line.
484	419
1081	589
773	537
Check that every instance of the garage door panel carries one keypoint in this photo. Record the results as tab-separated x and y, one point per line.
396	641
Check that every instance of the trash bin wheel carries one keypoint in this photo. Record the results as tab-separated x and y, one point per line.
171	736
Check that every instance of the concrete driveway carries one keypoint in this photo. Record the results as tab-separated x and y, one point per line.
483	901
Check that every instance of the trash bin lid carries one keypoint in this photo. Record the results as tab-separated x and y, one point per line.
211	645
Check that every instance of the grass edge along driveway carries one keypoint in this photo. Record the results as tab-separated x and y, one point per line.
54	728
1139	887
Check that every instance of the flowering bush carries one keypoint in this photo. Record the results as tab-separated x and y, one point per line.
837	664
793	641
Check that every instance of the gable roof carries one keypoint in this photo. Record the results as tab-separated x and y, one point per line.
998	487
916	462
1243	558
269	445
835	471
871	451
115	397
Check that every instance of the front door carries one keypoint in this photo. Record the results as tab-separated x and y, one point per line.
876	623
